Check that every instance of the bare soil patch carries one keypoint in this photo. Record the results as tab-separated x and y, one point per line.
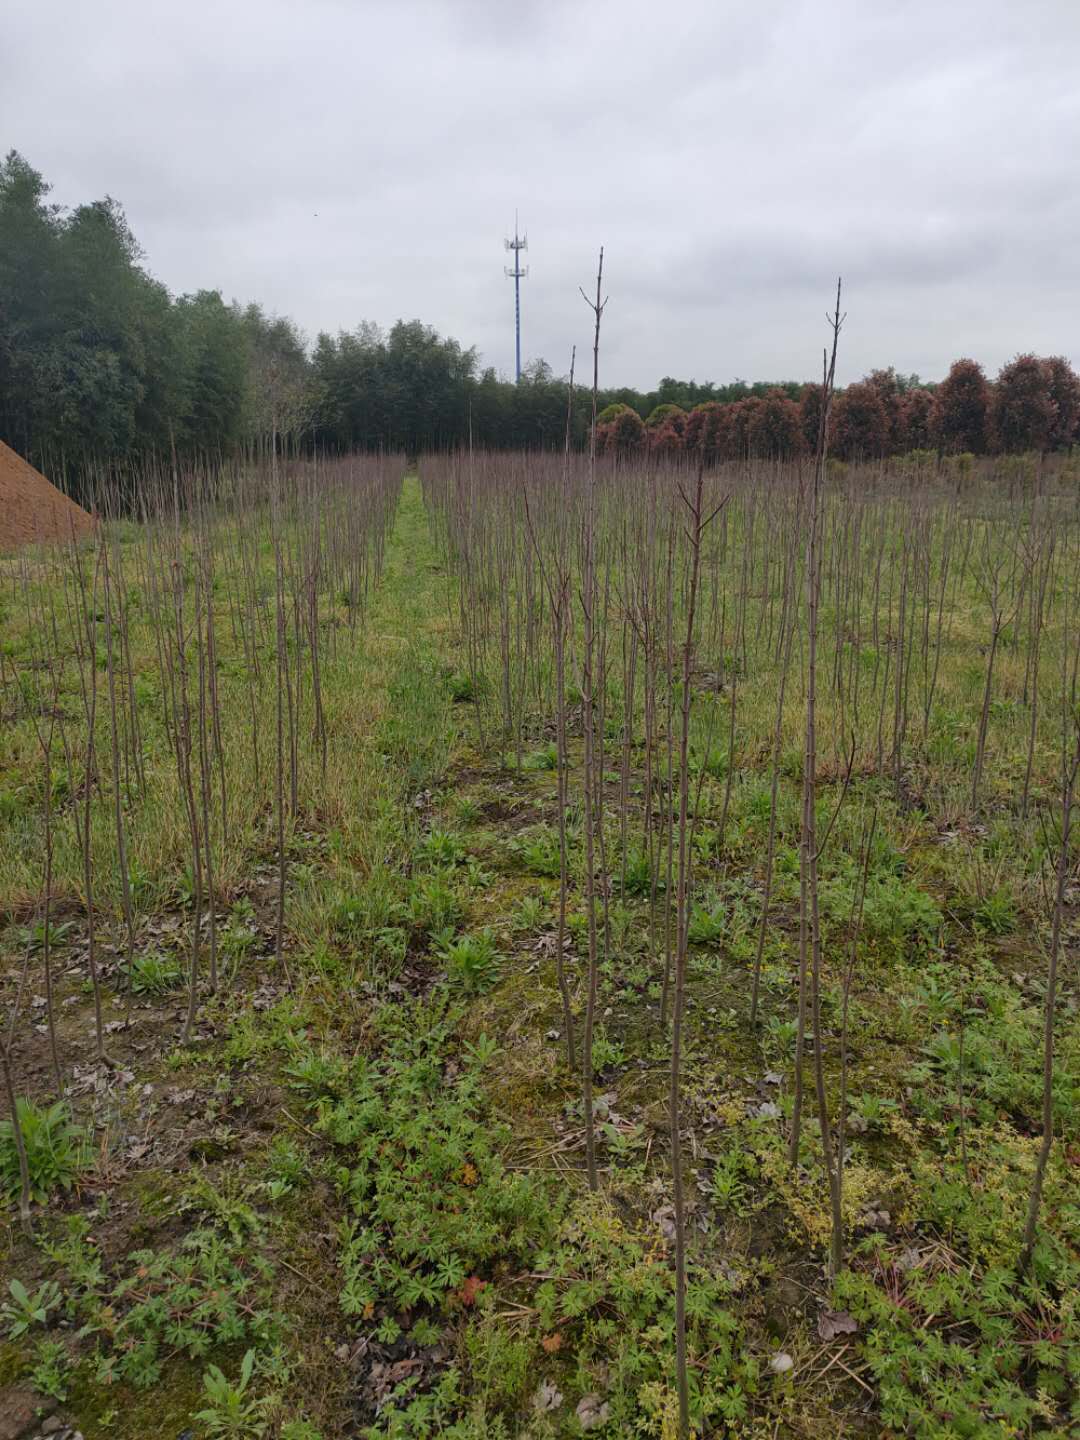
32	509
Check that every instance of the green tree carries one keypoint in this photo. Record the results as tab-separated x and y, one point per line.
215	350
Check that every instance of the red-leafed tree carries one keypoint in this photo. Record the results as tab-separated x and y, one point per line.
961	414
891	394
1065	393
810	416
915	430
623	435
1022	409
666	414
740	417
773	430
860	423
706	431
667	439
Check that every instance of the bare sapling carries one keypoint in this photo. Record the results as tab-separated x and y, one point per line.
694	532
86	655
1043	562
281	682
787	624
182	731
809	931
733	704
203	727
669	777
557	580
114	743
20	1140
996	576
1070	766
591	779
837	1190
932	670
45	738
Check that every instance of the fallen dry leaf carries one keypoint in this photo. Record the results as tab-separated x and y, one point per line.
835	1322
548	1397
664	1218
592	1412
470	1289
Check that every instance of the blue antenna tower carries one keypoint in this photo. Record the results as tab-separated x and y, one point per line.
517	273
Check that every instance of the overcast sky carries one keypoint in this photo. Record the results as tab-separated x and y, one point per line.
348	160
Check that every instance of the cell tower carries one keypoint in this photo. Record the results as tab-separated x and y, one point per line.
517	273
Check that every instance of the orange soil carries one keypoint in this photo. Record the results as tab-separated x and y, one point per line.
31	508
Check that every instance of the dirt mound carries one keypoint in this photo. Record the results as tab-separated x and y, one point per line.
31	508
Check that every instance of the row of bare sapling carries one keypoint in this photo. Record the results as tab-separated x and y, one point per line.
174	667
625	609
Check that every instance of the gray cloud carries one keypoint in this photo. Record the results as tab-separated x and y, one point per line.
362	159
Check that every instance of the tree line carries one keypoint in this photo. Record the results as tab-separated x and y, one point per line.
1034	404
99	362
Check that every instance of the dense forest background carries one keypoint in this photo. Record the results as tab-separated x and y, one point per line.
99	362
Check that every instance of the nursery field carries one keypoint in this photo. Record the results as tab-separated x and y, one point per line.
531	946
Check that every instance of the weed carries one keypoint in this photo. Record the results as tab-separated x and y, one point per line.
607	1052
531	913
57	1149
153	972
316	1074
286	1163
546	758
637	874
229	1409
214	1292
51	1369
727	1183
228	1206
33	936
236	938
431	1198
996	913
950	1349
781	1036
24	1310
538	850
391	947
77	1252
707	921
468	812
350	915
461	687
434	904
440	848
472	962
872	1110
